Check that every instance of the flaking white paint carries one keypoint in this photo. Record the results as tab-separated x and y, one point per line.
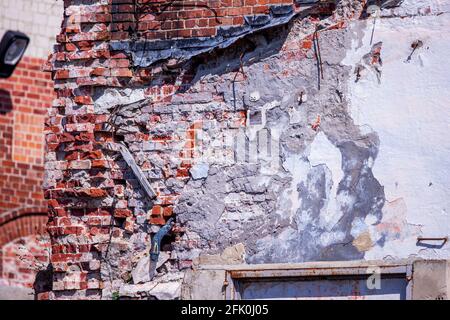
410	112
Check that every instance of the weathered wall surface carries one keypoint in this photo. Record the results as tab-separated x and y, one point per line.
268	140
23	258
24	99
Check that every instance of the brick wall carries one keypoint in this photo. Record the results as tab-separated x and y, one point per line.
101	219
24	98
25	247
155	87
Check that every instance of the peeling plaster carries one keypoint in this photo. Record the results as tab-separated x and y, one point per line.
357	188
409	111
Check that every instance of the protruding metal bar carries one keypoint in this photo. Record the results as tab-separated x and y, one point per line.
128	157
156	246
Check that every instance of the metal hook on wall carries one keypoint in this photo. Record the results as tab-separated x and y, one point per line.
156	245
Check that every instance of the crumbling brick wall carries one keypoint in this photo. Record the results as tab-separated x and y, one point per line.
168	20
117	82
24	100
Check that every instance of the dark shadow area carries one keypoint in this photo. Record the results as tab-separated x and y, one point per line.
5	101
43	281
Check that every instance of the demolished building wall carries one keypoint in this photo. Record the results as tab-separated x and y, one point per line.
253	126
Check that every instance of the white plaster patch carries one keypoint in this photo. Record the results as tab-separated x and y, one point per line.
255	96
409	110
414	7
329	238
113	97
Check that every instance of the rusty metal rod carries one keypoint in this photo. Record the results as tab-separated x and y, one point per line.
318	58
444	239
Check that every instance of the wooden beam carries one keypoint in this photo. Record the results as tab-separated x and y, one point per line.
128	157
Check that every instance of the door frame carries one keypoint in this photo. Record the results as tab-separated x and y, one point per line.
235	275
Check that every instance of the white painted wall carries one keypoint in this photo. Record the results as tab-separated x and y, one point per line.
410	112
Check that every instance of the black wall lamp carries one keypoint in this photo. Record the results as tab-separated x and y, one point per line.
12	48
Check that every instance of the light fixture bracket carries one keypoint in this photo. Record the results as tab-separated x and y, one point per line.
12	48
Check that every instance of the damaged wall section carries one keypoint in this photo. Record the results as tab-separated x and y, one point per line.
251	147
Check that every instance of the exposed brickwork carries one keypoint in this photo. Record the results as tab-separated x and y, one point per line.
24	99
96	205
21	223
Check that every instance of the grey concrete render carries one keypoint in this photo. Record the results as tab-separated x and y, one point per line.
145	53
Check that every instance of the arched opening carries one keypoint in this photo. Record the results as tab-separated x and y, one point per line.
24	253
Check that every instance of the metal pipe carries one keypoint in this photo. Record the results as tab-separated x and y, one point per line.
156	241
444	239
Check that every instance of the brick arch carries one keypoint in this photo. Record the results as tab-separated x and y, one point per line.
21	223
